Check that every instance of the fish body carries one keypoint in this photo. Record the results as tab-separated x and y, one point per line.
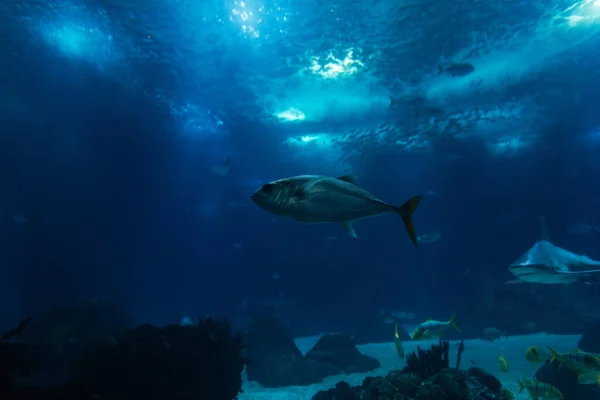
398	343
323	199
492	334
535	354
502	364
432	328
539	390
586	365
456	69
549	264
577	360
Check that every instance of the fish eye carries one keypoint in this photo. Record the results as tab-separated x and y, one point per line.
267	188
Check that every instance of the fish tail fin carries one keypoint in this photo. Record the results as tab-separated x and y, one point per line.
555	355
405	211
521	385
452	322
440	70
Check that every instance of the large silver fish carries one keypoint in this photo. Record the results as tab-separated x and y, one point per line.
319	199
550	264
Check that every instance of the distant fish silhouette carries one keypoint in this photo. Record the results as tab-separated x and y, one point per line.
582	229
223	169
186	321
429	237
549	264
456	69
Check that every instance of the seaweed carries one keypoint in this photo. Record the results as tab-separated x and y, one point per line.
461	348
426	363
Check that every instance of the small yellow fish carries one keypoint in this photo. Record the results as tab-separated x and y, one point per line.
539	390
398	343
536	355
502	364
432	328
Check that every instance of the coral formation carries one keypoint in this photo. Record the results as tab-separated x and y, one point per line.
447	384
427	377
425	363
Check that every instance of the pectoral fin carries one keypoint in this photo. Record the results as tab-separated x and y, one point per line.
347	226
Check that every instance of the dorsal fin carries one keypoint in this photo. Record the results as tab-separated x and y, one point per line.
346	178
544	230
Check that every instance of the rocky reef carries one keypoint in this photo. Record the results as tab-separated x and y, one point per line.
274	360
427	376
202	361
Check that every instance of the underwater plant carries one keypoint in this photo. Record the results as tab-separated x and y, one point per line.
425	363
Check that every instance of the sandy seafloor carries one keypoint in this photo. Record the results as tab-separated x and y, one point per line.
480	353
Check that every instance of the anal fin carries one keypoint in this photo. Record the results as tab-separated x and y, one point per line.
347	226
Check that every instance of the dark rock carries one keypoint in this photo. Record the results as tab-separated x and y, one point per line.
590	340
340	352
565	380
451	382
17	361
485	379
394	383
61	335
175	362
274	360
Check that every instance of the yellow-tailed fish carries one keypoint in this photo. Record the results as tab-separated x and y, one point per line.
577	360
539	390
398	343
502	364
534	354
432	328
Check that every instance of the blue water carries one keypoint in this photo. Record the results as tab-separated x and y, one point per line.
132	137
